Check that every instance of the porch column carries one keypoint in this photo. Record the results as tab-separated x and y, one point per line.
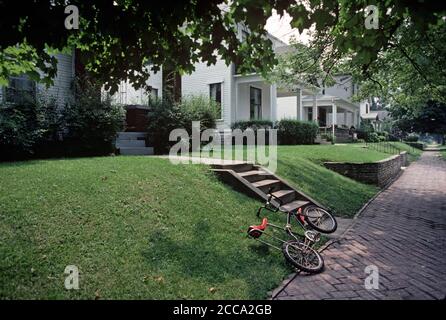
334	115
299	114
345	117
236	102
315	113
355	119
273	101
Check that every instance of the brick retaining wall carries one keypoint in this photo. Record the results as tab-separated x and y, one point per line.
378	173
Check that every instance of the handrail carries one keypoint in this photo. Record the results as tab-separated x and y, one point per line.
384	146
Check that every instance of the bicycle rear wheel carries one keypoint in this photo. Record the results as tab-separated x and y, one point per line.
320	219
302	257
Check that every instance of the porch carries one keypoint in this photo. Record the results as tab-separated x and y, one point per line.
254	99
329	111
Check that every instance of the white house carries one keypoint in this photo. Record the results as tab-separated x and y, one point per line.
242	97
21	86
321	106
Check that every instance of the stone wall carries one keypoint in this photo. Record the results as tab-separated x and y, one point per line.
378	173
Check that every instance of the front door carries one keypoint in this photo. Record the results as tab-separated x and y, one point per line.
322	117
255	103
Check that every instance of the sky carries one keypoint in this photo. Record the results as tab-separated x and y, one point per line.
280	27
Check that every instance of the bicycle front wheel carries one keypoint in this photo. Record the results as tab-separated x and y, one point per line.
320	219
303	257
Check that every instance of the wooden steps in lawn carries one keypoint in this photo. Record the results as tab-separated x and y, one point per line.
256	182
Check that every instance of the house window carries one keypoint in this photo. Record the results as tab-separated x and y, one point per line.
215	94
255	106
122	93
310	114
20	89
153	95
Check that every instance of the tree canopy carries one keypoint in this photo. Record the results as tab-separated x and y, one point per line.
120	38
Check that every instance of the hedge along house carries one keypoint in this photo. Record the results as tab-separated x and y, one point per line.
22	87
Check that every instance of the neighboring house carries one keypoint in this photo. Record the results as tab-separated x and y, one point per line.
322	105
21	87
375	118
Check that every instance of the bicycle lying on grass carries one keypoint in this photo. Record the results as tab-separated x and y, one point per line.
301	254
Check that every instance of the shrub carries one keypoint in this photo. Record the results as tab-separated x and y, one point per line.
166	115
364	130
372	137
25	125
91	122
327	136
412	138
252	124
199	108
296	132
86	125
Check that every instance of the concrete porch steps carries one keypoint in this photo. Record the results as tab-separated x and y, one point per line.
256	181
133	143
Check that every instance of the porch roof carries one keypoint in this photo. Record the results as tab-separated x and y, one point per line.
283	90
370	116
327	100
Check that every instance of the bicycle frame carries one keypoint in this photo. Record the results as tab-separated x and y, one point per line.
287	229
275	208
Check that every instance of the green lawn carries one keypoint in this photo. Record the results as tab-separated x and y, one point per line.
140	227
136	227
302	166
413	153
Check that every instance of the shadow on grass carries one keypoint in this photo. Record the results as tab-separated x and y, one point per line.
204	257
337	192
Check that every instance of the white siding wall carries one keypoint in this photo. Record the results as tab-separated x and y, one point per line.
286	108
342	89
63	83
61	90
198	83
127	94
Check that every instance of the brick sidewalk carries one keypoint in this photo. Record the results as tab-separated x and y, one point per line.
402	232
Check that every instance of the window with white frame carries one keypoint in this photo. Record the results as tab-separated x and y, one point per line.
215	94
255	105
20	89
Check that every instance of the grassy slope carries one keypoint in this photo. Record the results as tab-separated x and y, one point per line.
302	167
140	227
136	227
